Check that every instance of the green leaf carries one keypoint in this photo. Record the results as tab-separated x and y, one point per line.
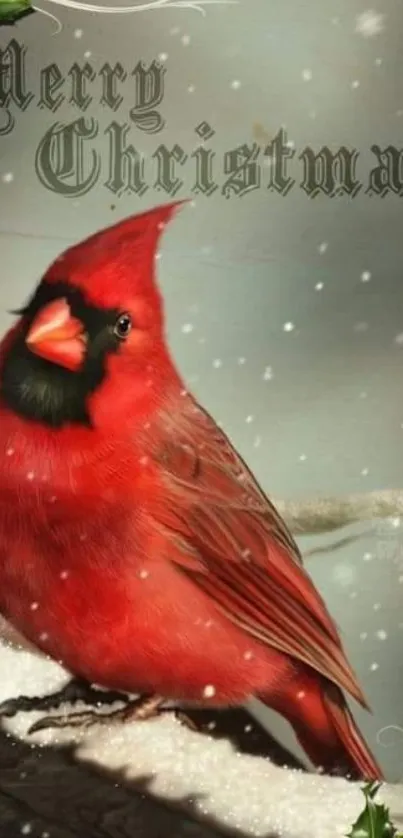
374	821
13	10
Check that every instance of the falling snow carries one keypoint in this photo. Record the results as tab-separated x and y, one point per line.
289	327
369	23
322	247
344	574
365	276
8	177
209	691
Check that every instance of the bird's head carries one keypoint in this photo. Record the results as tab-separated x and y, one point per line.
91	338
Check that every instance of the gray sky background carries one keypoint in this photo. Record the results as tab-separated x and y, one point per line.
327	416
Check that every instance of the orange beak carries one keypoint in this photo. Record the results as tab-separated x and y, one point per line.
57	336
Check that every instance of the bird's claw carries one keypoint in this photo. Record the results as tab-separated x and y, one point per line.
75	690
133	711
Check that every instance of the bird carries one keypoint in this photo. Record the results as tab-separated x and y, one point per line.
137	548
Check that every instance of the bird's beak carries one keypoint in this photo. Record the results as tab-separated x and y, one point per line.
57	336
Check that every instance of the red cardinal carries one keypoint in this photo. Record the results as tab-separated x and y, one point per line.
135	545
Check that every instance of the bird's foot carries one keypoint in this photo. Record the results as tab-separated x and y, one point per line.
140	709
74	691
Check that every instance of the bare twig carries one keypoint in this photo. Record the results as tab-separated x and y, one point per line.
327	514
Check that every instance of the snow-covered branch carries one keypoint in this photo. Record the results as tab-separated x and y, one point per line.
204	777
326	514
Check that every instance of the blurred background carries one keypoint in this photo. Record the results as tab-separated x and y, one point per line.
285	314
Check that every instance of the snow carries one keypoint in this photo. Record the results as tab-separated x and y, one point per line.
235	84
307	75
239	791
369	23
322	248
344	574
289	327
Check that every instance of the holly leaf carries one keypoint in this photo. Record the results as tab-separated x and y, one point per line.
13	10
374	821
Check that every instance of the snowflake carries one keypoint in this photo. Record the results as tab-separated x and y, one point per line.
344	574
163	56
209	691
78	33
185	39
369	23
365	276
8	177
307	75
355	84
382	634
289	327
319	286
187	328
268	374
235	84
322	248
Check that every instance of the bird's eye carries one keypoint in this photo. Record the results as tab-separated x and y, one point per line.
123	326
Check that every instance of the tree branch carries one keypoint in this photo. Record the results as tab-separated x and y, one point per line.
327	514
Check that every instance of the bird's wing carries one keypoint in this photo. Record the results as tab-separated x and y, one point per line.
224	533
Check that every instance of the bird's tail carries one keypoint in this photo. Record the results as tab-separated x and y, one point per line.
325	728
